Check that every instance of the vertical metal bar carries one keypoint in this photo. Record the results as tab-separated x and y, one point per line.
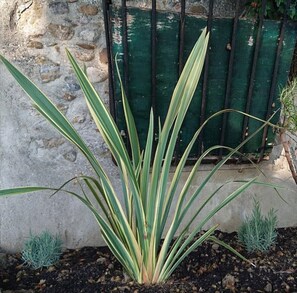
274	78
293	70
154	56
125	45
181	37
108	37
253	72
125	60
180	63
229	77
205	77
154	65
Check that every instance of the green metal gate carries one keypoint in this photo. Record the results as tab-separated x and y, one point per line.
247	64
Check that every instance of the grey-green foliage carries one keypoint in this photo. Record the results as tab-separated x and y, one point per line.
258	233
42	250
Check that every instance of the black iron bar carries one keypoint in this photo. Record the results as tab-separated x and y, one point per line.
125	60
229	77
180	63
274	79
106	6
108	38
154	54
182	37
154	65
125	46
205	78
253	72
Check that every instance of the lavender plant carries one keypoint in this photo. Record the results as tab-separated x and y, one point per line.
258	233
42	250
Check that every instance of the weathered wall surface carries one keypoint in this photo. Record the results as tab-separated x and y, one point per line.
222	8
34	35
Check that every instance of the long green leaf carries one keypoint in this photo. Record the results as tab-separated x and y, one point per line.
52	114
216	168
23	190
57	119
185	88
180	254
112	137
132	131
230	248
168	270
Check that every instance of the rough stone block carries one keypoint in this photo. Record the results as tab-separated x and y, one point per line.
71	84
70	156
49	70
59	7
69	97
89	35
103	56
86	46
84	55
61	32
34	44
97	74
88	9
198	10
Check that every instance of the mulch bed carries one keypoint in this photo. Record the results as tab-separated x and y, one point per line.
209	269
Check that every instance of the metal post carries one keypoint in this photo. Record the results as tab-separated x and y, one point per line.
107	27
274	79
125	45
229	77
205	77
253	72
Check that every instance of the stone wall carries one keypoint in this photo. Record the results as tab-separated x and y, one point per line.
222	8
34	35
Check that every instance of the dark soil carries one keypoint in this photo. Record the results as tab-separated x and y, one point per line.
209	269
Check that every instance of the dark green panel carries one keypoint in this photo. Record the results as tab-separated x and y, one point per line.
167	61
117	46
284	69
217	79
139	67
193	28
139	45
264	73
243	59
262	83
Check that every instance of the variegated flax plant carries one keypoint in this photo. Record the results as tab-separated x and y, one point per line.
134	231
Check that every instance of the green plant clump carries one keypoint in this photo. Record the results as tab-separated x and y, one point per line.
134	230
258	233
289	111
42	250
275	9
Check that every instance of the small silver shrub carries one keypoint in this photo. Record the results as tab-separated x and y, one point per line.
258	233
42	250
